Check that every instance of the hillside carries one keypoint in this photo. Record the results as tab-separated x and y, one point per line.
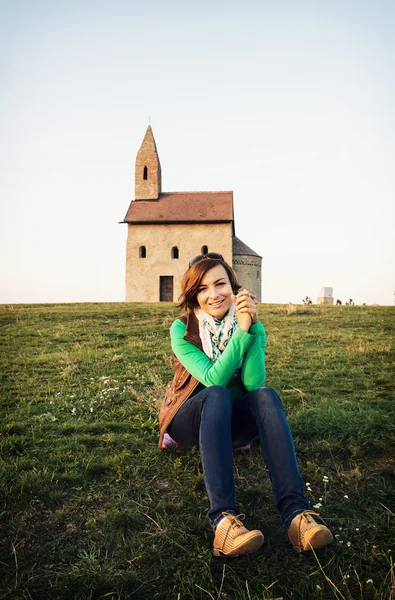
90	508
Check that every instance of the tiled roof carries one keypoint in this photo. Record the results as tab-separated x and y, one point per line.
240	248
183	207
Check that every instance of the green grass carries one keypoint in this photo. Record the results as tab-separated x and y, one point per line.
90	508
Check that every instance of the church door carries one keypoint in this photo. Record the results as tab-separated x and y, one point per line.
166	288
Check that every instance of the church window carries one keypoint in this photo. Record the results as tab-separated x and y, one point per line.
145	175
257	274
142	252
204	250
174	252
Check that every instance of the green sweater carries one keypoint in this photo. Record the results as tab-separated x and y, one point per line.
249	345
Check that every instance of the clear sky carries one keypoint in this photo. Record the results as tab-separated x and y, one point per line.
288	104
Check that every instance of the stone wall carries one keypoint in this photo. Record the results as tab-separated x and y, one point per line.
249	273
143	274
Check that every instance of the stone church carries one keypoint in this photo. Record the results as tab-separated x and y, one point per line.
167	229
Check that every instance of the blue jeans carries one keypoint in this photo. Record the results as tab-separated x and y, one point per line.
215	423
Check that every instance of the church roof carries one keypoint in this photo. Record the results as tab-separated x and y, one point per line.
183	207
240	248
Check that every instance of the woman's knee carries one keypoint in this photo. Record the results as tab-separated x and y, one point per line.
218	391
218	398
267	399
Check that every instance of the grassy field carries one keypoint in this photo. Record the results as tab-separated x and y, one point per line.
90	508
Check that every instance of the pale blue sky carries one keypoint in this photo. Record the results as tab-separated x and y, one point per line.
288	104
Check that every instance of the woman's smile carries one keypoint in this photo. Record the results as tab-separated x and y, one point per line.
215	304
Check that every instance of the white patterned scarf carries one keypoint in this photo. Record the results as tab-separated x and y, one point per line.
214	333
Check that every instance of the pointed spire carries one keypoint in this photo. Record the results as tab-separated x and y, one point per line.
148	176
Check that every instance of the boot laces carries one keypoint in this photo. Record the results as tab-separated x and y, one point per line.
309	513
235	520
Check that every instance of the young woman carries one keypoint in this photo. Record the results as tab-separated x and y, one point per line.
217	402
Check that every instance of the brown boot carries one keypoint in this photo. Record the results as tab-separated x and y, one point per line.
232	538
306	534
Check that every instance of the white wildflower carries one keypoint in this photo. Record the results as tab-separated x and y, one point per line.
307	484
357	529
345	496
73	411
348	544
318	505
320	499
318	587
91	409
369	581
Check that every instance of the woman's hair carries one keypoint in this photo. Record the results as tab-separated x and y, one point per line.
194	275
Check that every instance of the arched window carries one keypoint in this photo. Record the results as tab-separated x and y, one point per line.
142	252
204	250
257	274
174	252
145	174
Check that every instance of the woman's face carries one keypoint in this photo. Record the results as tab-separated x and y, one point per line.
215	292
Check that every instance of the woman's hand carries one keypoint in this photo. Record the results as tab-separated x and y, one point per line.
245	306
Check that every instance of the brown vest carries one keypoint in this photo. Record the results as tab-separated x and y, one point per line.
182	384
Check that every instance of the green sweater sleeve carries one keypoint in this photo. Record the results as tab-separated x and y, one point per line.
199	365
253	373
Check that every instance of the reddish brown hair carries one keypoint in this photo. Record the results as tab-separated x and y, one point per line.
194	275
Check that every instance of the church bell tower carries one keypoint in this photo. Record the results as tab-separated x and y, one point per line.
148	176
